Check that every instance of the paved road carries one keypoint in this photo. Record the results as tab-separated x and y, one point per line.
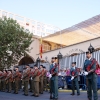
45	96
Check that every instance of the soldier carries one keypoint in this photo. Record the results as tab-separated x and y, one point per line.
74	79
41	79
89	71
54	79
0	79
45	79
30	79
9	79
3	82
16	78
20	80
26	76
36	81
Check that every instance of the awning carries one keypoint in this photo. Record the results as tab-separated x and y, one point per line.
86	30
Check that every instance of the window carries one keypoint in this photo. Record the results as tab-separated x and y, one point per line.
46	47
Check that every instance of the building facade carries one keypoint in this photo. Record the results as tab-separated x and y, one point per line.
35	27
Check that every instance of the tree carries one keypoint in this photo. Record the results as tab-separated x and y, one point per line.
14	42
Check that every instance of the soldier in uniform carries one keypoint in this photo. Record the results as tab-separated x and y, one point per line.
9	79
32	78
0	79
54	79
16	78
74	79
45	79
4	74
89	71
20	80
36	81
41	76
26	76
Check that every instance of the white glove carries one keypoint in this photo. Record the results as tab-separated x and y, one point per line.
72	77
85	73
31	78
50	76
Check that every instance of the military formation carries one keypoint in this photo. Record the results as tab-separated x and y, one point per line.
31	79
34	79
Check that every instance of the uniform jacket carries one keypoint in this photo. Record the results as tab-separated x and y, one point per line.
86	64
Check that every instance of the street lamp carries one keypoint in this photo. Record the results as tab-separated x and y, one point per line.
46	58
38	62
59	56
91	48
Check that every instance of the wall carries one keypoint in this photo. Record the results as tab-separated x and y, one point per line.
68	50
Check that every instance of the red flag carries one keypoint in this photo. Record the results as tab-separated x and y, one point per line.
41	48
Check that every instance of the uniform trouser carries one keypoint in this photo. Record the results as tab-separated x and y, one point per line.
51	86
33	86
55	87
20	84
41	86
36	87
92	84
45	84
0	85
26	87
30	82
16	86
3	85
9	86
75	83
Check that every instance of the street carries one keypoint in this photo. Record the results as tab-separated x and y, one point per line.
63	95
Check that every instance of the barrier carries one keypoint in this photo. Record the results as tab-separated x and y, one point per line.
82	82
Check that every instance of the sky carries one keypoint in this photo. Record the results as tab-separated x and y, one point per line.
60	13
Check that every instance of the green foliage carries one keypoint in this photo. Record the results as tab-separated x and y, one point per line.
14	42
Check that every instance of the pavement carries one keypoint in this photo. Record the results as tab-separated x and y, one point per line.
63	95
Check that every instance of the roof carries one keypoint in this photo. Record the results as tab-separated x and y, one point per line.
86	30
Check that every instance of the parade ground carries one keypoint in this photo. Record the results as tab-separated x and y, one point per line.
63	95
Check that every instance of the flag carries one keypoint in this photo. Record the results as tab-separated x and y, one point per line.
41	48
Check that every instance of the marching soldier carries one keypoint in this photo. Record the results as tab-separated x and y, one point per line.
9	79
74	79
20	80
32	78
3	82
26	75
16	78
54	79
89	71
36	81
45	79
41	79
0	79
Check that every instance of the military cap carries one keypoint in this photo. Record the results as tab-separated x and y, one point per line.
16	67
31	66
53	57
35	65
41	65
44	67
73	62
88	52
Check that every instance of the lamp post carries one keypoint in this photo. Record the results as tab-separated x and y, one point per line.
59	56
91	48
46	58
38	62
